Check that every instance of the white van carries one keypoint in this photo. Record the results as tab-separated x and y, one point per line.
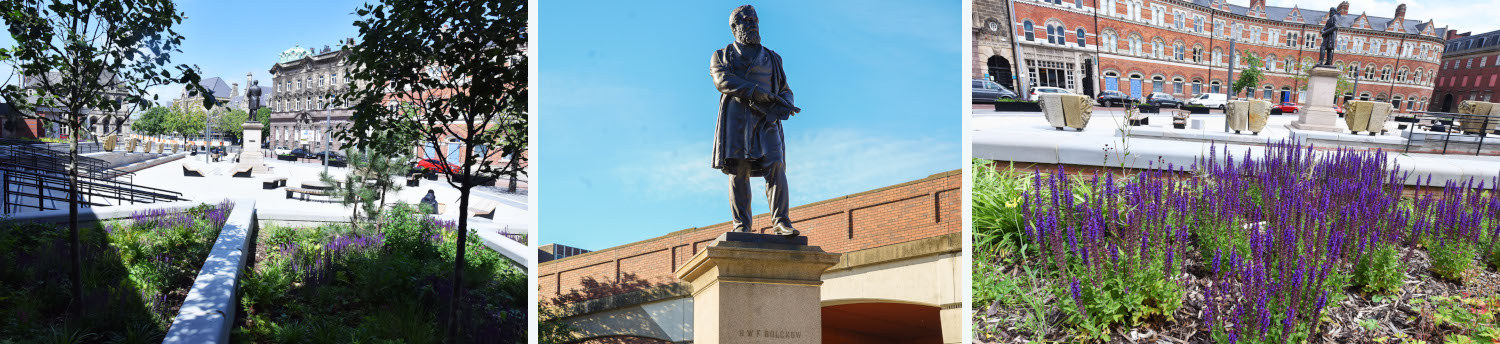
1213	100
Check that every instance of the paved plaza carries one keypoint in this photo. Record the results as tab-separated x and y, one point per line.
1106	141
510	211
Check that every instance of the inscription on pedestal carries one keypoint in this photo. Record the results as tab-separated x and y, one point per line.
770	334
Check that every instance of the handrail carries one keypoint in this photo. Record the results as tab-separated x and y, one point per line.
1447	120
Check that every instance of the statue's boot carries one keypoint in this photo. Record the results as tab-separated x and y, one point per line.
786	230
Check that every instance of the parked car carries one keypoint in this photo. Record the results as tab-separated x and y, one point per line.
1338	109
985	91
1163	100
1045	89
437	165
1213	100
301	153
281	150
1287	107
1112	98
331	155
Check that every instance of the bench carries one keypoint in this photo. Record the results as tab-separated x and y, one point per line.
273	182
243	171
479	207
304	192
192	171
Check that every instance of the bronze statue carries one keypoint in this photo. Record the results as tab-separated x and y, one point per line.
252	99
753	100
1330	37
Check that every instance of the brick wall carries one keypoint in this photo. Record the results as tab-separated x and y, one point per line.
899	213
1461	79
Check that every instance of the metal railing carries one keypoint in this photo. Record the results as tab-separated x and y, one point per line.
1446	123
34	172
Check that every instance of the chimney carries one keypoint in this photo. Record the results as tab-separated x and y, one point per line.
1344	8
234	89
1401	13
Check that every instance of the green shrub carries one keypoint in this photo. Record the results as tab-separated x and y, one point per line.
1450	259
1379	271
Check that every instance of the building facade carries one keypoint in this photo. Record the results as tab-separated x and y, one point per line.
898	279
1182	48
1468	70
301	113
990	39
97	123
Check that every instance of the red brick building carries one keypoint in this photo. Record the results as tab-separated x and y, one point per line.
1468	70
897	279
1181	48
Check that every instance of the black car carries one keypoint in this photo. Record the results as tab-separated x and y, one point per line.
302	153
332	156
1112	98
1163	100
985	91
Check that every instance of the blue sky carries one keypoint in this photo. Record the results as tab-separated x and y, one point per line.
230	38
627	108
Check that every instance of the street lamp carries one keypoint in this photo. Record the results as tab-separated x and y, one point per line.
327	129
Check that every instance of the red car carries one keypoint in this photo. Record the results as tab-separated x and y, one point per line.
436	165
1287	107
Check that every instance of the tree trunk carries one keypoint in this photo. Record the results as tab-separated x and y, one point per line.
75	272
458	265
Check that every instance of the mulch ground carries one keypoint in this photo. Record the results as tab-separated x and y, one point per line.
1395	317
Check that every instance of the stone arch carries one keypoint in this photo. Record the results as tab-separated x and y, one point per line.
999	71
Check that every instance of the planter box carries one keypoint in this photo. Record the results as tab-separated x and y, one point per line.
1149	109
1197	110
1018	107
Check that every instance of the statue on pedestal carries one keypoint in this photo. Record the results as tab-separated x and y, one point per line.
1330	38
252	100
754	99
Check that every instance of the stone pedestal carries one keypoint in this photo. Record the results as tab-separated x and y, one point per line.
757	288
1319	115
251	153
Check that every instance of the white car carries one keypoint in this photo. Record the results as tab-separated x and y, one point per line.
281	150
1044	89
1213	100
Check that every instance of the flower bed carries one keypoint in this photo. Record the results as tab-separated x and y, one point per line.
135	275
1295	245
334	284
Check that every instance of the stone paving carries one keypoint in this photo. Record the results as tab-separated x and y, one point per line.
511	214
1026	137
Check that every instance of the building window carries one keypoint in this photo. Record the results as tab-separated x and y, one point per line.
1197	87
1158	85
1177	51
1029	30
1198	24
1135	45
1110	41
1197	54
1177	85
1158	49
1050	74
1213	87
1080	37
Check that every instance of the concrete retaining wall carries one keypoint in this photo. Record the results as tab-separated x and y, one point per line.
207	315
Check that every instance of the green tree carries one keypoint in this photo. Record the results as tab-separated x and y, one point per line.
1251	75
460	68
152	122
187	122
264	115
72	52
371	177
230	122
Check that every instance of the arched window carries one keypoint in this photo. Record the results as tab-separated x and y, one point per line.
1218	57
1080	36
1213	87
1271	62
1158	49
1177	51
1385	73
1197	86
1198	54
1401	75
1135	44
1369	72
1057	33
1158	84
1111	41
1353	70
1029	30
1268	93
1177	85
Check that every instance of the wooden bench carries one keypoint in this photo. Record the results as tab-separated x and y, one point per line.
192	171
273	182
304	192
243	171
479	207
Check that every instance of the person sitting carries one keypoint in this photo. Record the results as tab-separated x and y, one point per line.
429	203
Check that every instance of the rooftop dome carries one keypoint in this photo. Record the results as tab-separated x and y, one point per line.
295	53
